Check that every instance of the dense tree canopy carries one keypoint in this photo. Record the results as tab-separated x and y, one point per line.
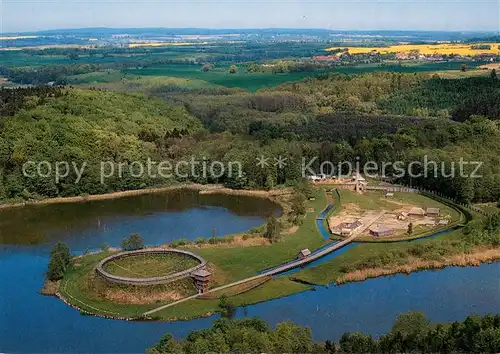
411	333
334	119
81	126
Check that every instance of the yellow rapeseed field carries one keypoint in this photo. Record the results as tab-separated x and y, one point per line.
426	49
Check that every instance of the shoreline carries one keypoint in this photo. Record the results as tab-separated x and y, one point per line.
476	263
202	188
475	259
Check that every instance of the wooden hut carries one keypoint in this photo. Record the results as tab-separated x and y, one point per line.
416	212
304	253
432	212
380	231
403	216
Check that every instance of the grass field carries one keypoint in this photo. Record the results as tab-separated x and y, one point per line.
20	58
117	81
150	265
272	289
363	206
254	81
240	263
375	200
220	76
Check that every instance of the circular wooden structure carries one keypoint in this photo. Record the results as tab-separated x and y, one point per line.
153	280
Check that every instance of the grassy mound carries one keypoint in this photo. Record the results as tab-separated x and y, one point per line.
150	265
84	289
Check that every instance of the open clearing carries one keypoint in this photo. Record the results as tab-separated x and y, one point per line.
364	207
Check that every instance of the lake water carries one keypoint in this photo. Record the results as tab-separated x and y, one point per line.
30	322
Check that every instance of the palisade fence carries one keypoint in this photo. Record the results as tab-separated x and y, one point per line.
434	194
430	193
454	201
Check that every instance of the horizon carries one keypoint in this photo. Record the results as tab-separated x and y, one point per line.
20	16
254	29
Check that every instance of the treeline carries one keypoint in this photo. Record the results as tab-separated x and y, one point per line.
339	117
458	98
402	94
14	99
371	96
287	67
45	74
412	332
341	126
60	74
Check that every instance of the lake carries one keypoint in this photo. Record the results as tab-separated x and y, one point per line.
30	322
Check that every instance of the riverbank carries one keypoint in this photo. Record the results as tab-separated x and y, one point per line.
202	188
474	259
370	260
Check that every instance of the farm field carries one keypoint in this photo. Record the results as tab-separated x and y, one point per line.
427	49
220	75
254	81
19	58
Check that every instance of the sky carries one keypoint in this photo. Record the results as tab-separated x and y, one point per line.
32	15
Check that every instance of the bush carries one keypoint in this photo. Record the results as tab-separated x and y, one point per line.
59	260
206	67
105	247
304	187
56	268
256	230
132	243
201	241
272	232
298	204
63	250
226	308
180	242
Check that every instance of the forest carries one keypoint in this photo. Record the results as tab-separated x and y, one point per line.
367	117
412	332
